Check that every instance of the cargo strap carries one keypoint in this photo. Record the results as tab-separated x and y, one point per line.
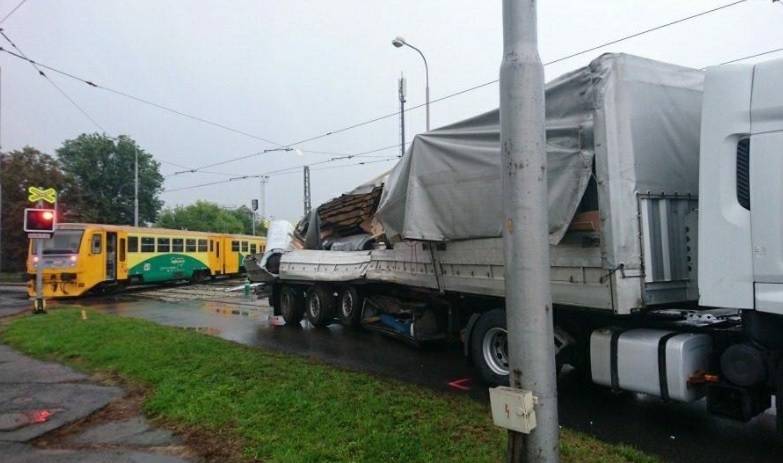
662	379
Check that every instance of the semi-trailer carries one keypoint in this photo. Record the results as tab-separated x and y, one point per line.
666	236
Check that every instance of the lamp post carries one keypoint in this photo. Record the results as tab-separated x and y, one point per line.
399	42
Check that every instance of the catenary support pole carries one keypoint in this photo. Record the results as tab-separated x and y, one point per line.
306	182
525	231
262	215
136	186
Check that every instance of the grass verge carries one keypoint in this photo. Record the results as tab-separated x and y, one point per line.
264	406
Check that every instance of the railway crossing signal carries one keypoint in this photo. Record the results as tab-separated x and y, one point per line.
36	194
39	222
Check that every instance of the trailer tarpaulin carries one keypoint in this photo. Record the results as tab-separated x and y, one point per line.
447	186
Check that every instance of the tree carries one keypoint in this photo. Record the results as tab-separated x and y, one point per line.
103	171
19	170
201	216
209	217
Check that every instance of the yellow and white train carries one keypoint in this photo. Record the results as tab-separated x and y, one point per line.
84	257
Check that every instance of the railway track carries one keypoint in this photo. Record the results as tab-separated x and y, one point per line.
215	291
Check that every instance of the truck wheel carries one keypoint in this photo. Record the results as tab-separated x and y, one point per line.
488	347
321	306
351	307
292	305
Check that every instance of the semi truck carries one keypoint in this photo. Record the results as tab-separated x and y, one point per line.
665	195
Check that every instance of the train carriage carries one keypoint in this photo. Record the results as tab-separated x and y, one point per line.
86	257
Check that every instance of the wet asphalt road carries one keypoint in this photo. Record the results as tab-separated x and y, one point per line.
676	432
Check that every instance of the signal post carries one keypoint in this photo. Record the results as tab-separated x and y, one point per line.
39	224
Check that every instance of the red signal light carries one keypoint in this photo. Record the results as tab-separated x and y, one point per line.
39	220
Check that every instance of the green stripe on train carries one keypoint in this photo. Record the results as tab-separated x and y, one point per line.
166	267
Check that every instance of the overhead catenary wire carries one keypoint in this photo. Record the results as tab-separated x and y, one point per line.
294	169
8	15
57	87
378	118
756	55
291	170
140	99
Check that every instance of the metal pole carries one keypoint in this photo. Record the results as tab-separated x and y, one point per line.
262	214
253	221
525	231
38	305
402	115
426	82
136	186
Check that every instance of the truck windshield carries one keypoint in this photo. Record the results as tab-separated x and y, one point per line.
63	242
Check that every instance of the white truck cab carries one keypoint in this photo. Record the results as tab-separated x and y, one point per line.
741	188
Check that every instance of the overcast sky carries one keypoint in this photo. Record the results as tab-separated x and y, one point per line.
291	69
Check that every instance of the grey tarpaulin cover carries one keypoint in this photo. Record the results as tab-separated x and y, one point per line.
447	186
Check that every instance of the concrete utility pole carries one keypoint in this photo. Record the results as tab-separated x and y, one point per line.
307	190
1	168
525	231
401	90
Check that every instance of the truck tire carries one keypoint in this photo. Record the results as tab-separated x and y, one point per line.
321	306
488	349
292	305
351	303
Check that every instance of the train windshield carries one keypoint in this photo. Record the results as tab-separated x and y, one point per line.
63	242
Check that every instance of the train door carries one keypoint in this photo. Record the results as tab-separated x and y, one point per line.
111	255
214	255
122	257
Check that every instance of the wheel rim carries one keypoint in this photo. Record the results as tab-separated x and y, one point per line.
495	350
315	307
347	304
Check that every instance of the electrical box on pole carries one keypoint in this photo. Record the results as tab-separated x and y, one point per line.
254	204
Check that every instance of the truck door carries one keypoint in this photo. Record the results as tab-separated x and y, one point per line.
765	157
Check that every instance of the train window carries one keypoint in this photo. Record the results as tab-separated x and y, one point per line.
244	246
235	246
147	244
133	244
252	248
122	249
211	246
263	248
217	249
176	245
95	246
202	245
190	245
164	244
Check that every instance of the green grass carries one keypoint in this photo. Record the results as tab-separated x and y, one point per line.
12	277
280	408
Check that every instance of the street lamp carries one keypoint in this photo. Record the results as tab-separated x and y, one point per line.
399	42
